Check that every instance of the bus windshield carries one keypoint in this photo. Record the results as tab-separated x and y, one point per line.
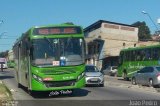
57	51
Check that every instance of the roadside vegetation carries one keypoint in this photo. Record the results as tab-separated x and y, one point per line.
5	94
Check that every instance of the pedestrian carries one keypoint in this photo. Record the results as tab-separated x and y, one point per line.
1	66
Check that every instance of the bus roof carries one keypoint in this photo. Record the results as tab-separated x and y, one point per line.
55	25
143	47
68	24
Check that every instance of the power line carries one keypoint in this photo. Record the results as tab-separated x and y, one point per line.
144	12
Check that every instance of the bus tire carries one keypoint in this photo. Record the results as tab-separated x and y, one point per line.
30	92
19	85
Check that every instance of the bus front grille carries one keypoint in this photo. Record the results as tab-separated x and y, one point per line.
59	83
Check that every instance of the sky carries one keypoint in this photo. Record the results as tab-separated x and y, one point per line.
17	16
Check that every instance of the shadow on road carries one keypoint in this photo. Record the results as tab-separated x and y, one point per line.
5	77
46	94
93	85
76	93
121	79
5	74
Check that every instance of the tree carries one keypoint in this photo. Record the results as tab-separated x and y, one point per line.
144	31
4	54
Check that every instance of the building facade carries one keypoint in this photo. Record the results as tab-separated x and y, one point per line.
10	55
105	39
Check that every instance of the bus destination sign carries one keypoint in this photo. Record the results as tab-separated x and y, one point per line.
56	30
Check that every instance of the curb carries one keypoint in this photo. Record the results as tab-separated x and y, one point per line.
122	84
134	87
7	91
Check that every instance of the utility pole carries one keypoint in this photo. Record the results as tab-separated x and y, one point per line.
144	12
158	21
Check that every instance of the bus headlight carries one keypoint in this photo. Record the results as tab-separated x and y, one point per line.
80	76
34	76
37	78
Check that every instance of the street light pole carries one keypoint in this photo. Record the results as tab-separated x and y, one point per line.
150	19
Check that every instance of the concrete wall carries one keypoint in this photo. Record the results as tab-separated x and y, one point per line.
119	32
10	55
115	37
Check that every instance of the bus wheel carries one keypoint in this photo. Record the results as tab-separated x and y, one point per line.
134	81
19	85
30	92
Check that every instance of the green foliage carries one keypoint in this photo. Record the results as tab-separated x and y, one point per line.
4	54
144	31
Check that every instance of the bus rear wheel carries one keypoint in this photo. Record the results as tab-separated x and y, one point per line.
32	93
19	85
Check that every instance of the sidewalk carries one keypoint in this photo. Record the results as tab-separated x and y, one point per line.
119	82
5	94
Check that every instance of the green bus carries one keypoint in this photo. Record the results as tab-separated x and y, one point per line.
133	59
50	58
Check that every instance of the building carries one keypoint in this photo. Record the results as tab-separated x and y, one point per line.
10	55
105	39
156	37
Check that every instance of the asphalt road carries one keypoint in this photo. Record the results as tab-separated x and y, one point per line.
88	96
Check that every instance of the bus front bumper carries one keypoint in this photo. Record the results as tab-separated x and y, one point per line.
61	85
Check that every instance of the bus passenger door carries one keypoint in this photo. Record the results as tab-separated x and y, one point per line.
28	63
29	76
19	65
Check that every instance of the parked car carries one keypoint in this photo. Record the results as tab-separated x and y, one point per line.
147	76
3	62
93	76
110	70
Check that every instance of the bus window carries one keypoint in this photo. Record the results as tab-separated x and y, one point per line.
155	54
138	55
142	55
148	54
121	58
133	54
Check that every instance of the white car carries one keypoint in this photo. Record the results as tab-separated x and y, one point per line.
3	63
111	70
93	76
